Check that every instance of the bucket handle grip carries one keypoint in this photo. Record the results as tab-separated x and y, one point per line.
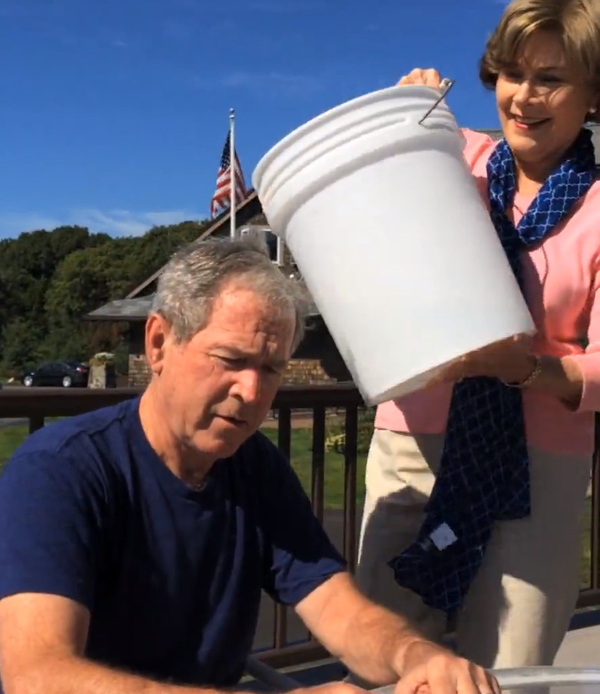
445	86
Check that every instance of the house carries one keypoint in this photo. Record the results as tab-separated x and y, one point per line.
317	360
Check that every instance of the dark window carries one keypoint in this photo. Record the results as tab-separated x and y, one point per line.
272	245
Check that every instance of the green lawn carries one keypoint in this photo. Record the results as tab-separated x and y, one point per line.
301	458
11	437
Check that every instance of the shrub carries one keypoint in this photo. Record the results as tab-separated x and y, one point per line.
335	441
103	358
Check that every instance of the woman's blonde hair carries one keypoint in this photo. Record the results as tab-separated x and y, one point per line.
577	22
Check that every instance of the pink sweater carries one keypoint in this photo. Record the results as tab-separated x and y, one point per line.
561	280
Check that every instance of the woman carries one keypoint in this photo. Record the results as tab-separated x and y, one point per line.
502	452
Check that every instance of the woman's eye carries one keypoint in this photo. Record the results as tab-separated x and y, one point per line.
512	75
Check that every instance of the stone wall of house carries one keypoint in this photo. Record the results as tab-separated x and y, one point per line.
308	372
304	371
139	373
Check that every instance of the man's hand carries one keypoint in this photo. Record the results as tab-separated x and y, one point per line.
379	646
428	665
330	688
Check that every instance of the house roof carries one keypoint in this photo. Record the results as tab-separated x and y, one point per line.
244	213
134	310
128	310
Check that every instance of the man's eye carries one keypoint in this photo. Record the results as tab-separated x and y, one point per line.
231	361
273	370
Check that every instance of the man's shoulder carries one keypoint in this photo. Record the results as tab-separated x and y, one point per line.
63	495
81	436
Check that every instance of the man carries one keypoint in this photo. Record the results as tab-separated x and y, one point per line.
135	540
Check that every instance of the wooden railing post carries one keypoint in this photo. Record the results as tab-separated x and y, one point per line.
36	422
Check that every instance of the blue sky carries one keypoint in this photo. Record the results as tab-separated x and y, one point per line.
113	113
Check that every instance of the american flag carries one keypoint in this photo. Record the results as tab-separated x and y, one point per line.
222	196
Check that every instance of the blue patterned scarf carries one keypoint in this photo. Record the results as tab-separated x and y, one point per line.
484	470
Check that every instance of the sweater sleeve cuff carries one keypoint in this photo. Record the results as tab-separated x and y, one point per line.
589	364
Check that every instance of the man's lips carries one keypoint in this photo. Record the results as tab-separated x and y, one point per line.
238	421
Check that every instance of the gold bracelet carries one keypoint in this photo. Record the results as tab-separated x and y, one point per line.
537	370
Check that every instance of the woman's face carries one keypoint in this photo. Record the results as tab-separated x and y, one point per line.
542	102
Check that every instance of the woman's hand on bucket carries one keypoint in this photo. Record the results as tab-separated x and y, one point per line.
423	76
511	361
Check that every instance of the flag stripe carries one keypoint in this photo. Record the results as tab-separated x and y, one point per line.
222	196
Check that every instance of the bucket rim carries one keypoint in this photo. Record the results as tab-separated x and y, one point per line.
364	99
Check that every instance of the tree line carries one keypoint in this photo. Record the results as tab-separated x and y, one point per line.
50	280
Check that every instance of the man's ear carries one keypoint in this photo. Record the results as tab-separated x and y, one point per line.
157	339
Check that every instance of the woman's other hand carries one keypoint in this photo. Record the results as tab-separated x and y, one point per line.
425	76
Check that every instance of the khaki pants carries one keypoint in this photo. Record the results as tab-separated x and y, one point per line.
520	604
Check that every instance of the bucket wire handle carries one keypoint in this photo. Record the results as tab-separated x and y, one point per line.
445	86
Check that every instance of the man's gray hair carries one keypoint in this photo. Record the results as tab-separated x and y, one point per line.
197	273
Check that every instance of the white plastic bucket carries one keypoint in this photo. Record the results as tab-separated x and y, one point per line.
387	227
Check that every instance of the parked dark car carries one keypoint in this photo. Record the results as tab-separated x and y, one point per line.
65	374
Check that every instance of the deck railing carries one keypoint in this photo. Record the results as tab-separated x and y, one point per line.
286	642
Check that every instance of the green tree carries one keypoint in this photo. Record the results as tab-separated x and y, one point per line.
21	340
62	342
155	248
50	280
88	278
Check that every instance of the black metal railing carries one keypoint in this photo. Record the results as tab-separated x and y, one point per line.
284	642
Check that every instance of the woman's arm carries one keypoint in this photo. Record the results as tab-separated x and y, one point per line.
575	379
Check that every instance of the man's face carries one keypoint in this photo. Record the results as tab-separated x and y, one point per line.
217	389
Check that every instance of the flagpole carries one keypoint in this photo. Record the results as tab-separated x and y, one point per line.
232	229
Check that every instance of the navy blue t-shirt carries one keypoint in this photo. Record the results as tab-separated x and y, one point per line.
172	577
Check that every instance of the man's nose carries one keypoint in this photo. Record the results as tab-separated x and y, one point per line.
248	386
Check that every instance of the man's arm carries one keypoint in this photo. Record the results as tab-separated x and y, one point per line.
367	638
51	516
42	641
380	646
306	571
